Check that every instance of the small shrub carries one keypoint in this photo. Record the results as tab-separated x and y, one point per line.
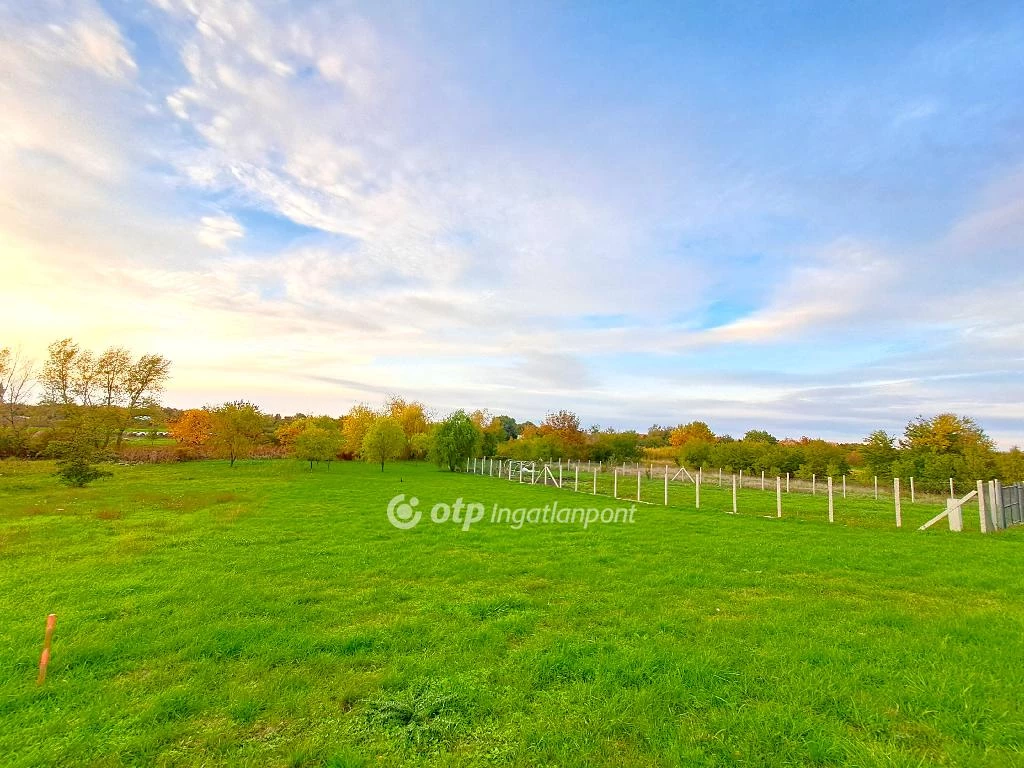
76	461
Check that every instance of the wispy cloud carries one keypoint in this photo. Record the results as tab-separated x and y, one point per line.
459	213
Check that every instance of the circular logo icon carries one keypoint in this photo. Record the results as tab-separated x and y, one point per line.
403	514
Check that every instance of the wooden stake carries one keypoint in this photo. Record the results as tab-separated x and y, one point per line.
896	496
44	658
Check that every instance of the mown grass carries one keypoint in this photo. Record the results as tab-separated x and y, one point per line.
268	615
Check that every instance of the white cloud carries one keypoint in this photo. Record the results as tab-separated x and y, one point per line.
455	259
218	231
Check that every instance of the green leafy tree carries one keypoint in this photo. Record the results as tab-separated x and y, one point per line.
76	461
1011	465
385	439
419	445
318	442
508	426
235	430
455	439
760	436
879	453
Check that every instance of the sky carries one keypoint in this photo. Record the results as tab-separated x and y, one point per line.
802	217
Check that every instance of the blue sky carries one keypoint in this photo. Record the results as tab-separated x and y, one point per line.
796	216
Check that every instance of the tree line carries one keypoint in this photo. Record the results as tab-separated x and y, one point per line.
88	402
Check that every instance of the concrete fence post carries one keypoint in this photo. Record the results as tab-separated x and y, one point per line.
896	497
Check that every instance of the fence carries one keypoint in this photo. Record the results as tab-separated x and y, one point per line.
1006	504
632	482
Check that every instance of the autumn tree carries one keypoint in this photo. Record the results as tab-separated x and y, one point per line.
194	429
384	440
695	430
142	382
59	371
946	433
110	391
236	429
412	416
564	427
943	447
354	425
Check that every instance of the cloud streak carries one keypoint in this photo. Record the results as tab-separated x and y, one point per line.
316	203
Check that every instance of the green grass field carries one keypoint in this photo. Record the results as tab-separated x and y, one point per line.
268	616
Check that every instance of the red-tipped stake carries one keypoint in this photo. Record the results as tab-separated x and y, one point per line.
44	660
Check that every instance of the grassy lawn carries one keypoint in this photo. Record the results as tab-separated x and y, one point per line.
268	616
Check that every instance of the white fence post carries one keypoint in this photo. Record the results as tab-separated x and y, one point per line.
576	482
896	496
951	494
666	485
831	507
814	485
787	482
956	515
876	487
615	483
778	496
639	474
762	479
982	517
913	498
595	482
734	508
700	476
844	486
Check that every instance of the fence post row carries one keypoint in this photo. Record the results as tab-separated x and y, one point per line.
998	507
